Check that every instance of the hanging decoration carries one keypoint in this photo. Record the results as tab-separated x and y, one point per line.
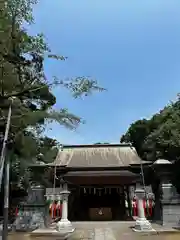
100	192
58	206
51	206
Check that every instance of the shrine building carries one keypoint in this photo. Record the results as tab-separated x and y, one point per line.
101	178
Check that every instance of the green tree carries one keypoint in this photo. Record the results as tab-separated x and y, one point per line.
137	134
22	76
158	137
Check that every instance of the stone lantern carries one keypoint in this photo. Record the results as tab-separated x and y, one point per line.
170	199
33	210
64	225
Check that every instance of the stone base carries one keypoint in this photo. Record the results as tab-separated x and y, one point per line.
52	234
143	225
29	219
171	214
64	225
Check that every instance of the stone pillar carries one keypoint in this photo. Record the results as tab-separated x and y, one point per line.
64	224
65	194
59	203
142	224
129	203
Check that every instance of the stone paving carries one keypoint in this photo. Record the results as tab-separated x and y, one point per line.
115	231
106	231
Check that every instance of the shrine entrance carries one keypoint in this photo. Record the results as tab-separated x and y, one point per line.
98	204
99	195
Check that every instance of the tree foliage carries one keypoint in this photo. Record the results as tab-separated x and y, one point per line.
158	137
22	76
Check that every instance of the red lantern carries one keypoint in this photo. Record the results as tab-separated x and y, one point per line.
135	207
150	207
59	209
16	211
52	209
144	206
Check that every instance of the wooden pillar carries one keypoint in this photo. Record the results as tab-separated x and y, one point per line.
157	191
123	205
129	202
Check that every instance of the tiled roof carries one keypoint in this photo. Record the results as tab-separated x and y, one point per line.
101	155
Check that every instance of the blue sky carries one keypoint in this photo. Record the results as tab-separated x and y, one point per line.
132	47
